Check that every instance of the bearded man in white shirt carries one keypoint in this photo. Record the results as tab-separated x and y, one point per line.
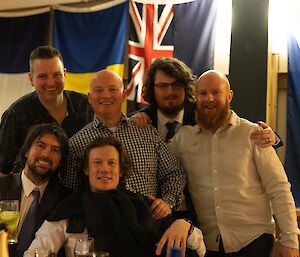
235	185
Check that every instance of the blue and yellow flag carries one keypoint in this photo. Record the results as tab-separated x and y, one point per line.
91	40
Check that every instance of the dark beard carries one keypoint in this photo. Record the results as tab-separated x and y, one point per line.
171	111
213	121
35	173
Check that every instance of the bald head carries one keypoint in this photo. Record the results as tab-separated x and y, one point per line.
211	76
106	97
108	77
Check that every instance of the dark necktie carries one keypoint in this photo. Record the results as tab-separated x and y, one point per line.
171	126
27	232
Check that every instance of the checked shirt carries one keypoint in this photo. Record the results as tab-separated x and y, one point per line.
156	170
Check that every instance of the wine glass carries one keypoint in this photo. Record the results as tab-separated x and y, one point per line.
84	247
10	215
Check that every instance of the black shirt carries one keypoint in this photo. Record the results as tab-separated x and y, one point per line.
28	111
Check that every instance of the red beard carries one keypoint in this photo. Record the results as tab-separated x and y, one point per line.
214	118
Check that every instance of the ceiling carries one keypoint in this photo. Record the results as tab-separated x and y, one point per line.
7	5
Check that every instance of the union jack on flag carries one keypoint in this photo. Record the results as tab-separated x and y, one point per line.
166	28
151	27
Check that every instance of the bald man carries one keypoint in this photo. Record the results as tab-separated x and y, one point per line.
156	171
233	182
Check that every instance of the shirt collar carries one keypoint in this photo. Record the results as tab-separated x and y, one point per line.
163	119
29	186
99	123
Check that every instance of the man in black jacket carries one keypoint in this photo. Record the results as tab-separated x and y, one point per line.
48	103
44	150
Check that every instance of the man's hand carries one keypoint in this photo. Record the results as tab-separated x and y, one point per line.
159	208
174	236
285	251
265	137
141	119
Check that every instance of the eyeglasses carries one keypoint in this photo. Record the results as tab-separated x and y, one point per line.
176	85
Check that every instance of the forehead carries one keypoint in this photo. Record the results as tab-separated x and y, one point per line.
211	82
104	152
161	76
49	139
106	80
40	65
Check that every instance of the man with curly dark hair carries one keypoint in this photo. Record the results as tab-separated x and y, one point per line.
169	90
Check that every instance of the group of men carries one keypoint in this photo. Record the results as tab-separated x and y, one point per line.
233	178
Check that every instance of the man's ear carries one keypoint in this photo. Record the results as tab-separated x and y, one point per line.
86	172
88	97
30	78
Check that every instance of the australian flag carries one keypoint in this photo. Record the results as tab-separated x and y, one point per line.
181	29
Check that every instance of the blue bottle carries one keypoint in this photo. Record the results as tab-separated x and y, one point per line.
175	252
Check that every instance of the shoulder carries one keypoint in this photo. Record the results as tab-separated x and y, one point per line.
26	100
146	130
83	137
244	124
76	99
9	183
75	95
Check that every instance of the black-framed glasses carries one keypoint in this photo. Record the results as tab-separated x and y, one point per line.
176	85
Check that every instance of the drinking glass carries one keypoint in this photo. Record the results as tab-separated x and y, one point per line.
10	215
84	247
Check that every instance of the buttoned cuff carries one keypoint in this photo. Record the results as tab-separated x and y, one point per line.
290	239
171	201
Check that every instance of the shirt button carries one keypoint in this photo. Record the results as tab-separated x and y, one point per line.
217	207
216	189
215	171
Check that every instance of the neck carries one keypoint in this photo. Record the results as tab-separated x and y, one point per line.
34	179
54	104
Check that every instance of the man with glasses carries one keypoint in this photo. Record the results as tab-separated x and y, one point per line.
169	90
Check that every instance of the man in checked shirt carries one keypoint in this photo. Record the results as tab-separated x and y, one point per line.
156	171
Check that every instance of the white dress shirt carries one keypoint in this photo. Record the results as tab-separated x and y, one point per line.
162	120
233	184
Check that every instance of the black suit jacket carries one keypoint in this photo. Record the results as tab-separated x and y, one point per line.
11	189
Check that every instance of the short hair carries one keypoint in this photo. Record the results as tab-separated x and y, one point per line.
173	68
125	161
43	52
36	132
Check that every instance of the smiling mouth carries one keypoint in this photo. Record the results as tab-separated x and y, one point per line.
103	178
43	163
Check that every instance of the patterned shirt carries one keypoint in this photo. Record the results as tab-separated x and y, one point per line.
156	170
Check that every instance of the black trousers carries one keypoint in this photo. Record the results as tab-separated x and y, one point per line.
260	247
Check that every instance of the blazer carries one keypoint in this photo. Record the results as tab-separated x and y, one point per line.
11	189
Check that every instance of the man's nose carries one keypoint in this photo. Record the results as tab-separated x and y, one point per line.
46	152
210	97
170	89
50	80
